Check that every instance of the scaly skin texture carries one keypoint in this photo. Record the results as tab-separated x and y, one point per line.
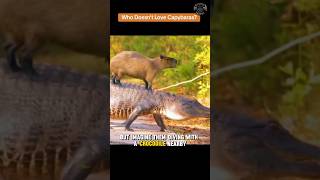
130	101
261	149
53	128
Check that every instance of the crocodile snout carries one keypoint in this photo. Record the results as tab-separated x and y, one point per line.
200	111
204	112
187	109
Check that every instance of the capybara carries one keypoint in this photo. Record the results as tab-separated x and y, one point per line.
135	65
79	25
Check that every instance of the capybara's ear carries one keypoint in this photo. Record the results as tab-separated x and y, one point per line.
162	56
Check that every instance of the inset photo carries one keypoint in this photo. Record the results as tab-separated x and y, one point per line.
159	90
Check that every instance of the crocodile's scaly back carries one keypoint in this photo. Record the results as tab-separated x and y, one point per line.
130	101
125	97
43	122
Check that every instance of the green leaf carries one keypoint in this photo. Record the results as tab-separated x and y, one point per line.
300	75
288	68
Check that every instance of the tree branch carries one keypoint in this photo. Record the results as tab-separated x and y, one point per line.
185	82
258	61
267	56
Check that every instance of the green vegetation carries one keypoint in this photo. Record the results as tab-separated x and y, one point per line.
288	85
192	53
52	54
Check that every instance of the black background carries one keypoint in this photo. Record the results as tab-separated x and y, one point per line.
158	6
189	162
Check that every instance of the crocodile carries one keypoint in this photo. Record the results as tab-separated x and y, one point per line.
131	100
54	128
252	148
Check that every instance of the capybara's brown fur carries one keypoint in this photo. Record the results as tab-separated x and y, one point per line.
134	64
79	25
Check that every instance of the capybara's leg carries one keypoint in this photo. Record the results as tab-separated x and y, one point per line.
146	84
118	77
11	50
30	45
113	77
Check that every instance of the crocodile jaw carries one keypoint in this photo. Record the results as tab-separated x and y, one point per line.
171	114
184	108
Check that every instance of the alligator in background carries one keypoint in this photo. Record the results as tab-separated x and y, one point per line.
128	101
53	128
57	127
257	149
